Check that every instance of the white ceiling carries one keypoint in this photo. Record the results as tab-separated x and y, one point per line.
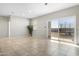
30	10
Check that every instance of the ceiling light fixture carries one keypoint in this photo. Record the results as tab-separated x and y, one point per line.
46	3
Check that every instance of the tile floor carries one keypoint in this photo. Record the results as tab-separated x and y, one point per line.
36	47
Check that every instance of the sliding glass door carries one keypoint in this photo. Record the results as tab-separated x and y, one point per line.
63	29
66	29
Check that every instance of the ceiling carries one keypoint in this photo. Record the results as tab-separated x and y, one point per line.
30	10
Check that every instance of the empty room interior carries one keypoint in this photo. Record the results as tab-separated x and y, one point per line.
39	29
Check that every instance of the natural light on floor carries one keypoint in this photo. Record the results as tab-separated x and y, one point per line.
60	42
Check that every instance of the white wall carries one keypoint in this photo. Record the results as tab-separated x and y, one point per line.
4	26
40	23
13	26
18	26
77	26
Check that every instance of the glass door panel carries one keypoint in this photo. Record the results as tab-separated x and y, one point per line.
54	30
